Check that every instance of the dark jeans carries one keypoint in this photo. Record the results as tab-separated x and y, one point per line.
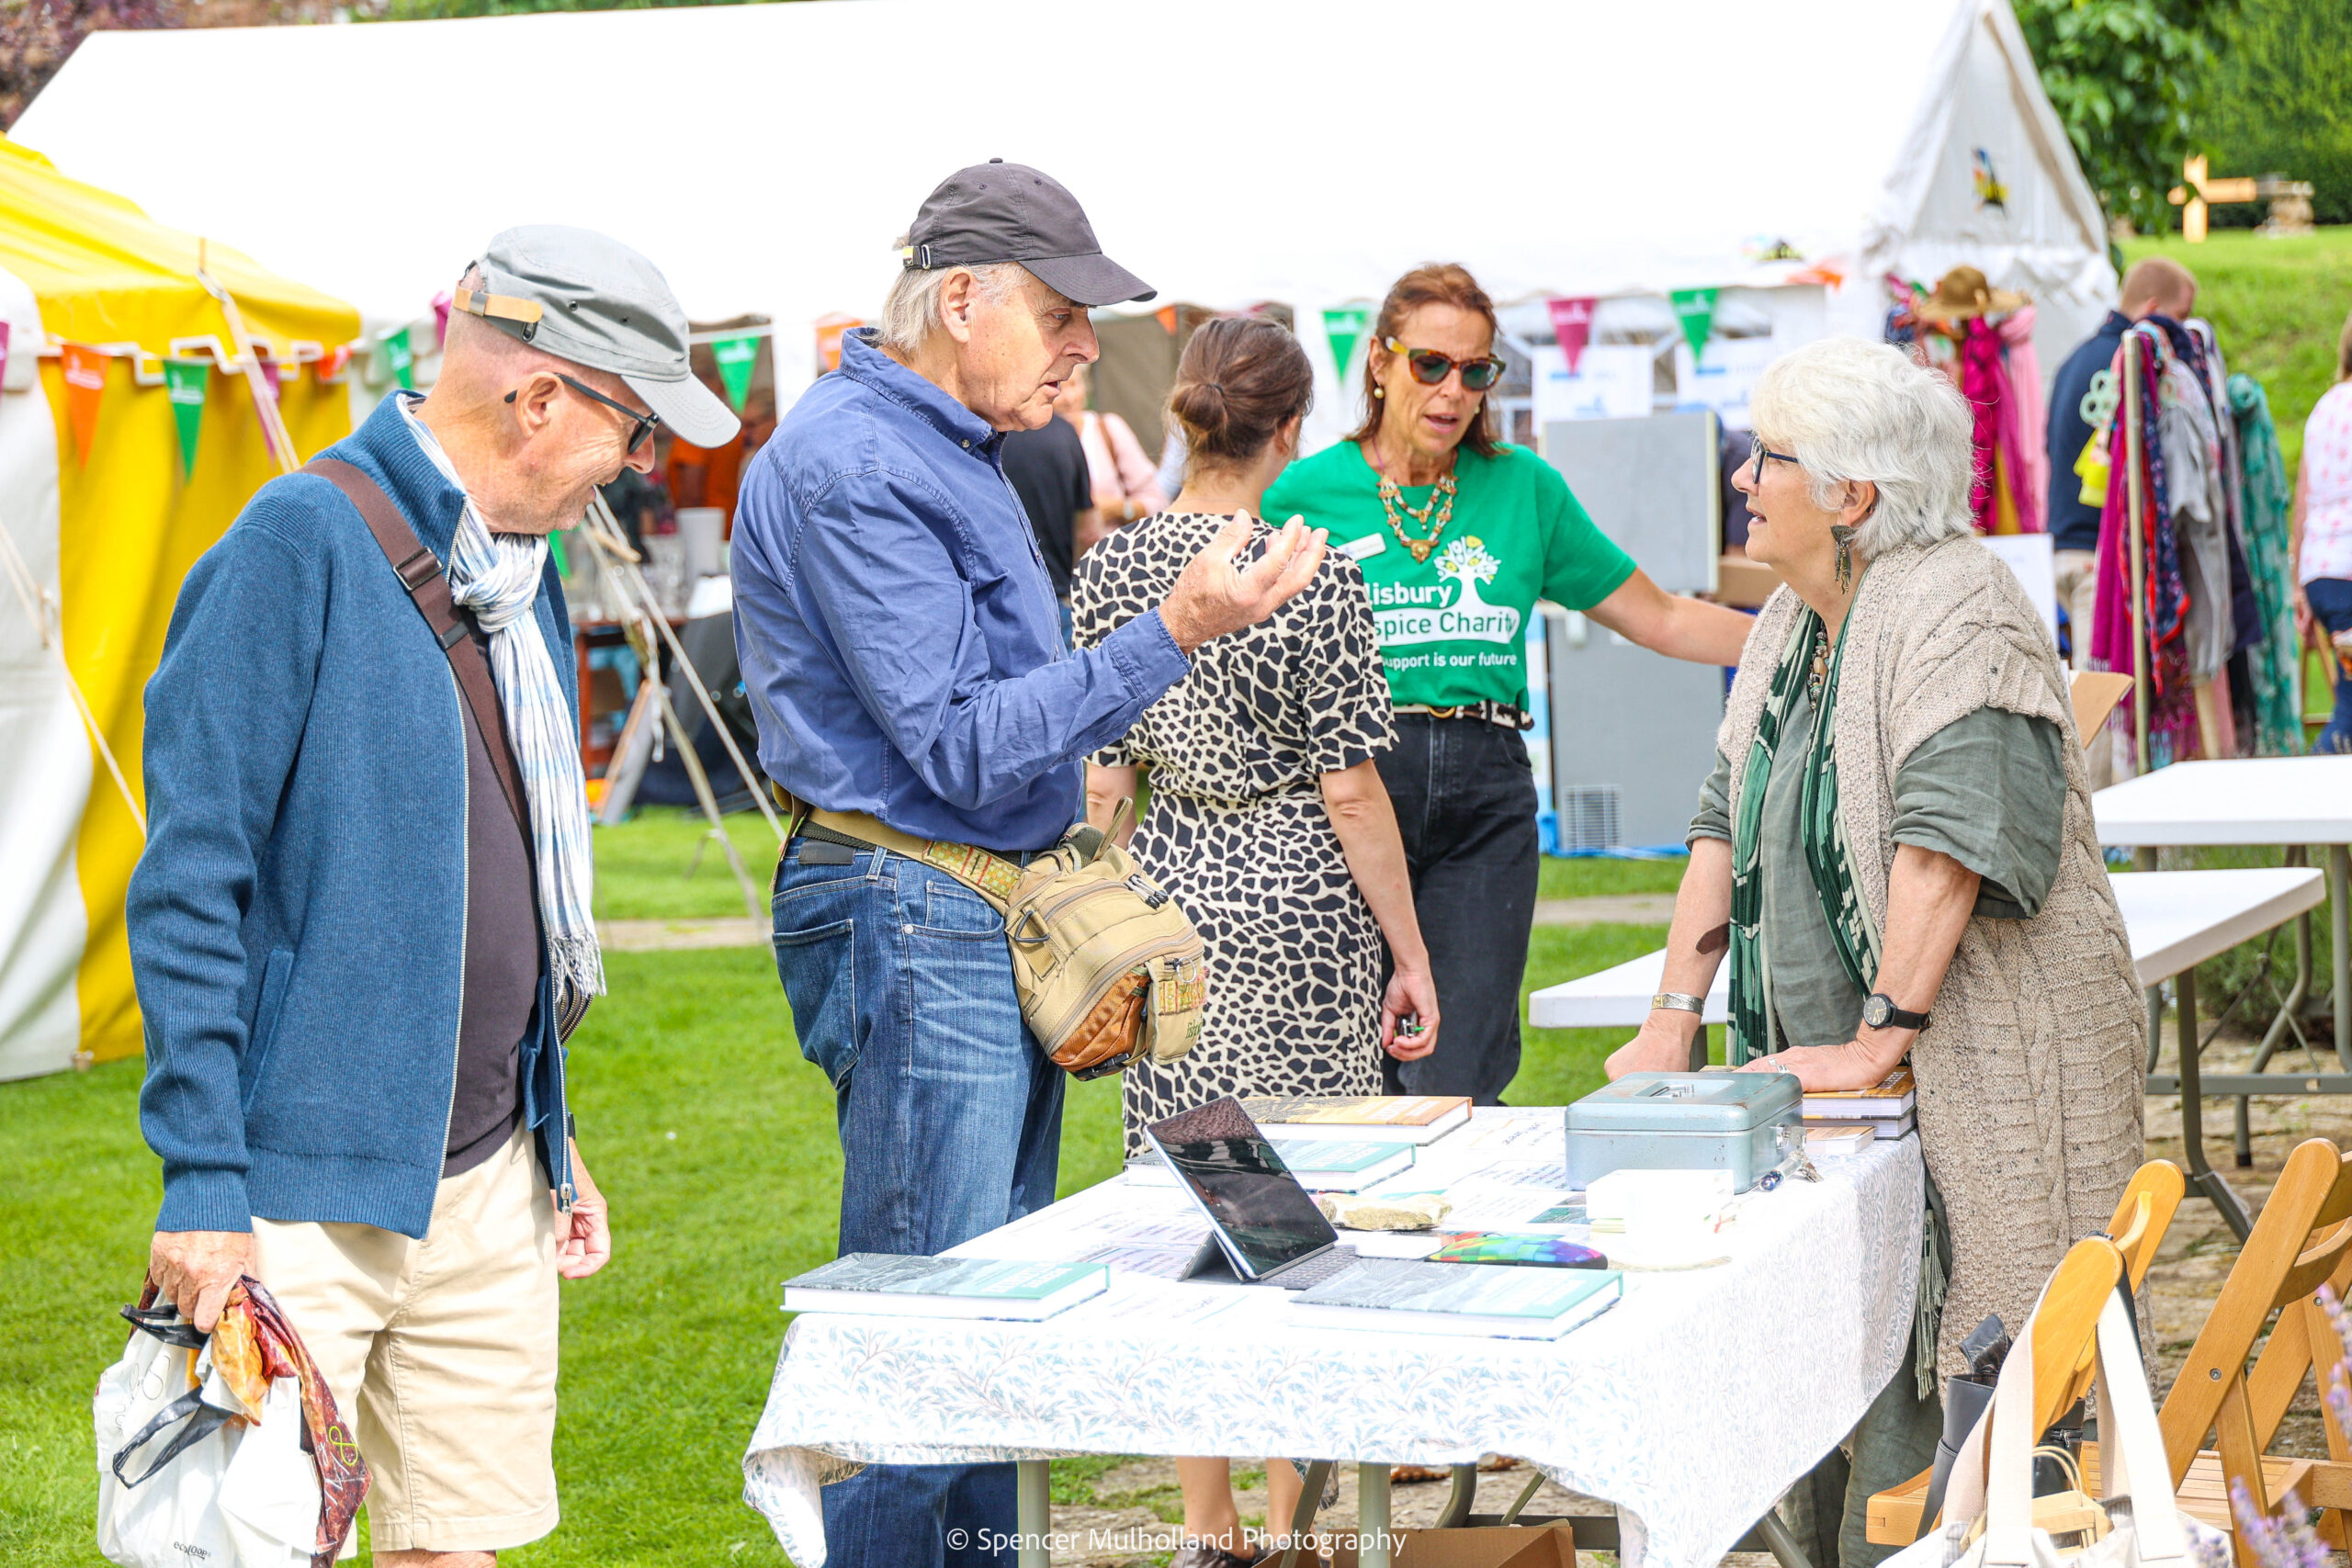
950	1118
2330	601
1464	792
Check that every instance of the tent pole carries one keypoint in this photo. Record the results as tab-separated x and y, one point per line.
272	426
2142	666
604	531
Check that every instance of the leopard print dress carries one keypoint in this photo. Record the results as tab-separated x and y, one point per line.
1237	830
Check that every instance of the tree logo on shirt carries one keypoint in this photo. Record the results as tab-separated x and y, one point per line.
1452	611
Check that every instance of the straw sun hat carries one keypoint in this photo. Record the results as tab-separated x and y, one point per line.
1963	293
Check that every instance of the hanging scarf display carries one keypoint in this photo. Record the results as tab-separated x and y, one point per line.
1824	844
2025	419
2263	497
2171	718
1982	338
1980	383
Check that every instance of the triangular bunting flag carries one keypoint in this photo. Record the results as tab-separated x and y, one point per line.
397	357
337	360
736	357
269	373
186	382
1697	308
85	383
1344	327
1572	324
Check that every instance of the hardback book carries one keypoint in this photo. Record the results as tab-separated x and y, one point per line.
1481	1300
945	1287
1321	1165
1390	1118
1839	1137
1891	1096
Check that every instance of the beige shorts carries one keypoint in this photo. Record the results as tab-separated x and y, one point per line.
441	1354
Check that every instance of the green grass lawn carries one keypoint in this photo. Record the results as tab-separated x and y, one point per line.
2279	306
713	1141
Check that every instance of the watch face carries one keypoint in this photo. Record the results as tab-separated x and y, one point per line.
1875	1011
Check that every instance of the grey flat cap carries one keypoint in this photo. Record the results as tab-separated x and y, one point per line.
584	297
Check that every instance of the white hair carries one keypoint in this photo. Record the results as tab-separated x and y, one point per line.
910	314
1849	410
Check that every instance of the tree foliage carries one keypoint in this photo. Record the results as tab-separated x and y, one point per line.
2282	101
37	35
2129	78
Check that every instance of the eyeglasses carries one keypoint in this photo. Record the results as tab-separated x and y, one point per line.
641	424
1430	368
1757	453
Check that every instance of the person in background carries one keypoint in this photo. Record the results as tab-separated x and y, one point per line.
1897	849
1125	486
903	654
1047	470
2321	538
2157	286
1268	822
364	910
1458	533
636	499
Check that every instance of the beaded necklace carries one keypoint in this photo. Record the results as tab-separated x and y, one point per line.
1440	502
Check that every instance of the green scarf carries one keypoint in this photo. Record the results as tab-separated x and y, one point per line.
1824	846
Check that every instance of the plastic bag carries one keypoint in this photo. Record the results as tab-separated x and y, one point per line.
224	1452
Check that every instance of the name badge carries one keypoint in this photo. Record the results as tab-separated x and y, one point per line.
1364	549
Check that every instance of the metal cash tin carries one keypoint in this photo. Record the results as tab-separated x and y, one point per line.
1684	1122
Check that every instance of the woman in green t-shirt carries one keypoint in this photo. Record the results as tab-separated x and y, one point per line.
1457	534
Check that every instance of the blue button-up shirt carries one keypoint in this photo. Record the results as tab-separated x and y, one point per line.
900	638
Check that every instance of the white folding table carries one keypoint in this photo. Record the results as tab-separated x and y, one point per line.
2175	920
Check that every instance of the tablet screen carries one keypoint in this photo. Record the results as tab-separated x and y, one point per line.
1239	1177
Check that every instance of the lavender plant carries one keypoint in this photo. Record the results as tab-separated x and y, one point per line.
2285	1540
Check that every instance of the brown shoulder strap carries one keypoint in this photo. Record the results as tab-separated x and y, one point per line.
420	572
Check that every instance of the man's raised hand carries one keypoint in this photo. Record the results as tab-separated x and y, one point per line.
1214	596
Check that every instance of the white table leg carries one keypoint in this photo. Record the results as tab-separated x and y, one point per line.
1371	1514
1033	1510
2339	931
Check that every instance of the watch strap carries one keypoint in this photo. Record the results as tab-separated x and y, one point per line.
1896	1018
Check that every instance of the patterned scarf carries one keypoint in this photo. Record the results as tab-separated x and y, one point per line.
497	577
1824	846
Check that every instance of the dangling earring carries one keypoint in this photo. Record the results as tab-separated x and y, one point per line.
1380	391
1845	540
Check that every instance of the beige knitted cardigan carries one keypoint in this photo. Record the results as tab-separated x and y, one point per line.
2029	1085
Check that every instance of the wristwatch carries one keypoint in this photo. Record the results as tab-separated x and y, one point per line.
1880	1012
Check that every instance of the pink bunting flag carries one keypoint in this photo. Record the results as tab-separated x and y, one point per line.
1572	324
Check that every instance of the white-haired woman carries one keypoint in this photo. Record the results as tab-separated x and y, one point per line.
1895	848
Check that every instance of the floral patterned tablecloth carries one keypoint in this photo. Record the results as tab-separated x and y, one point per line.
1692	1405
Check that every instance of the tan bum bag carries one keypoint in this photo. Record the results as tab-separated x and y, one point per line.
1108	968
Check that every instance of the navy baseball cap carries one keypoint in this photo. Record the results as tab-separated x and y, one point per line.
997	211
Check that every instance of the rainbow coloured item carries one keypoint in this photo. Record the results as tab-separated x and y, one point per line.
1499	1246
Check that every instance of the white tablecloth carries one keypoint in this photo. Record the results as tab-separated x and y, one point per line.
1692	1405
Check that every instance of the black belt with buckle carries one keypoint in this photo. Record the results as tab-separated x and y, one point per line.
1505	714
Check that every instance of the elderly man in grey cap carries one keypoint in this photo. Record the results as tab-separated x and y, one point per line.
902	650
362	924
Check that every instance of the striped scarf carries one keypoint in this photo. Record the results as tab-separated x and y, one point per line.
1824	846
497	577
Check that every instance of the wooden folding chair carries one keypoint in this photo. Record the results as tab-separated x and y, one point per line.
2066	1327
2301	1240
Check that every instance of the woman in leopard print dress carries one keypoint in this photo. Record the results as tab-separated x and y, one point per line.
1268	821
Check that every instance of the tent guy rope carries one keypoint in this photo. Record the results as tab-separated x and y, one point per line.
43	612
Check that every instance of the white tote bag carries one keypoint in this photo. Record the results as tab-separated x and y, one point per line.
1992	1479
180	1481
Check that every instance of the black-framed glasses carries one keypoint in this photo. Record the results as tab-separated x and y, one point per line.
640	426
1757	453
1430	368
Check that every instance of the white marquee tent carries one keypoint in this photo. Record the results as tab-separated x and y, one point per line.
1230	151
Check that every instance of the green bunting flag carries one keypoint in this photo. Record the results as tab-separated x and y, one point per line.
399	358
1344	327
1697	308
736	355
186	382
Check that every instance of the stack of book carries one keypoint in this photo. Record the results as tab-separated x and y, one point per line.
945	1287
1415	1119
1845	1120
1480	1300
1321	1165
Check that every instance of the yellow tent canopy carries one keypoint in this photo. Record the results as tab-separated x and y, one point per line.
87	278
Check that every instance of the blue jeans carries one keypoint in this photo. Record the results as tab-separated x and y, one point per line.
950	1118
2330	601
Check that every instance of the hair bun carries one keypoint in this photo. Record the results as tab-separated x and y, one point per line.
1242	378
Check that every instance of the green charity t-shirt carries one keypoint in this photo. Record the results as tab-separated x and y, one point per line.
1452	629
